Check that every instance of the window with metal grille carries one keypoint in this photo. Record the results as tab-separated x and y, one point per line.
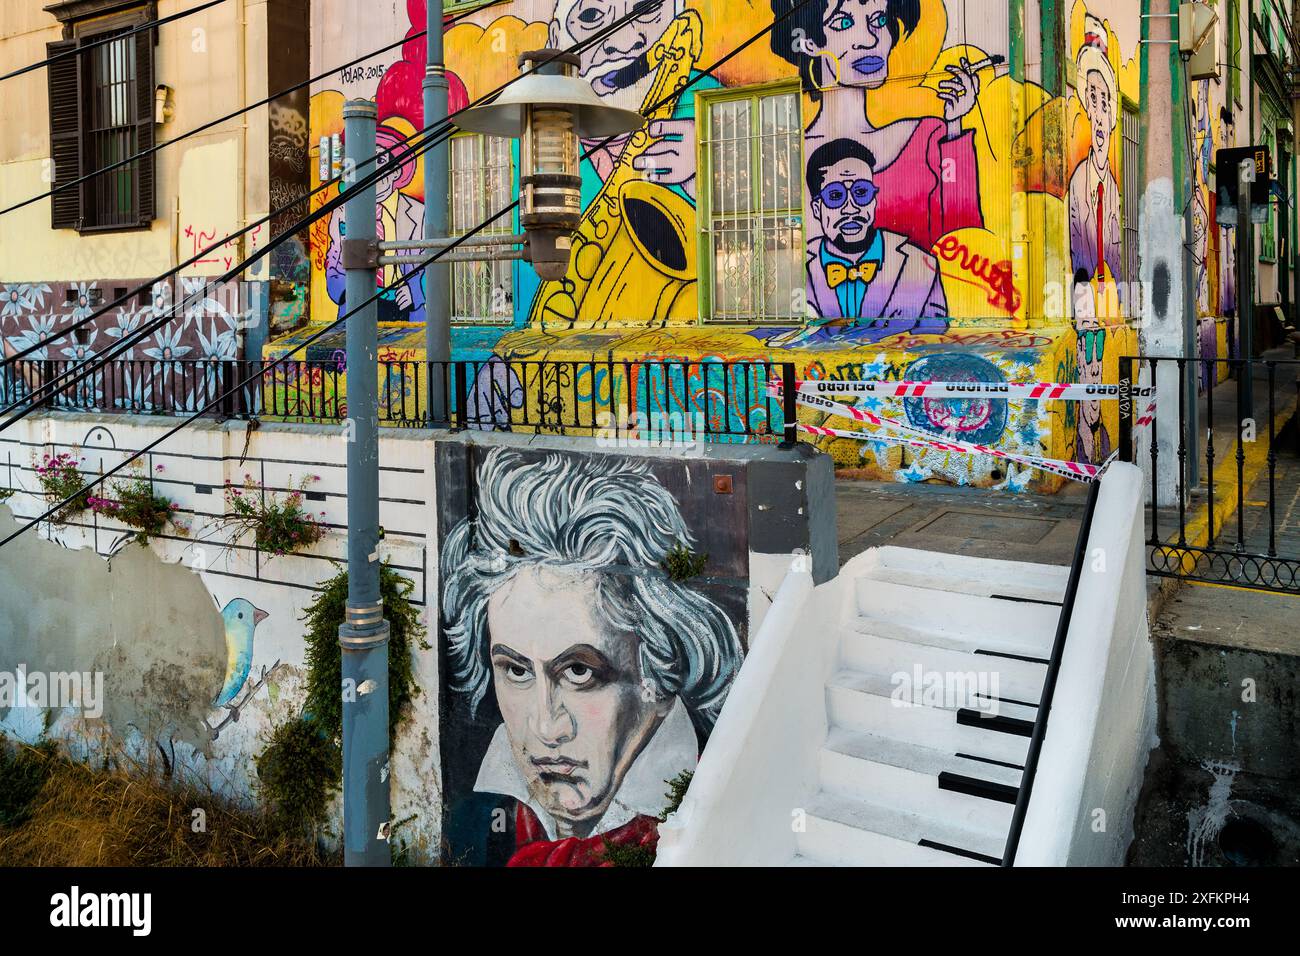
1131	125
482	175
101	113
751	206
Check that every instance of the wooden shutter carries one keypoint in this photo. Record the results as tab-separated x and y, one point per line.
65	133
144	126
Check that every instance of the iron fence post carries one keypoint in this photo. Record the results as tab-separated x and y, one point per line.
789	405
1126	410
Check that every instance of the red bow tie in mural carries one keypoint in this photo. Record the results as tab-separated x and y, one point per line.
534	849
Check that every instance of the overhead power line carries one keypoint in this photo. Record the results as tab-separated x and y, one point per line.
117	164
151	25
316	336
78	373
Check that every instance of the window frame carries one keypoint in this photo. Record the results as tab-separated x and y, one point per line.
500	227
87	23
706	260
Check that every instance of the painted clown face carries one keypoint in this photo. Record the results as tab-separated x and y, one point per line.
1100	107
613	65
576	710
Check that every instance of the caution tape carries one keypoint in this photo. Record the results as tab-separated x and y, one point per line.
909	435
1022	391
899	433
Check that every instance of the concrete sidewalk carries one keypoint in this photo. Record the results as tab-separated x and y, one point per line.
973	521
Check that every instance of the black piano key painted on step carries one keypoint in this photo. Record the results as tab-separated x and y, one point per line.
1003	725
973	786
958	851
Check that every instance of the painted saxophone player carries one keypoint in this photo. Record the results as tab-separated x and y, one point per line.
606	673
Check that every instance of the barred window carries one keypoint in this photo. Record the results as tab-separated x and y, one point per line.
101	110
482	175
751	206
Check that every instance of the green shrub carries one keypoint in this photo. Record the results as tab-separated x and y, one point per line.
299	770
324	661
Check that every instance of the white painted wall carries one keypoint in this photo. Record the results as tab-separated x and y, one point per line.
1102	724
208	453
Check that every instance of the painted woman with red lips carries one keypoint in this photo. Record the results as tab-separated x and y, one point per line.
927	170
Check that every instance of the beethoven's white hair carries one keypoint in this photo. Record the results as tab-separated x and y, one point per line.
587	514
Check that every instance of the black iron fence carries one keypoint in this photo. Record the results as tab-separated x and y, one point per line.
1224	504
654	400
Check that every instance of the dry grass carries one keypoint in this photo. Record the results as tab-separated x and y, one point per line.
83	816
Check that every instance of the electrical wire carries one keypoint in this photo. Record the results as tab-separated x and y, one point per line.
151	25
444	124
316	336
117	164
79	373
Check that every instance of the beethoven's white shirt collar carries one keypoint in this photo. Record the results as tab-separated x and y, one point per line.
672	749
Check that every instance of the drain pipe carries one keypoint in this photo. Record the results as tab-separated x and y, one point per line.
437	285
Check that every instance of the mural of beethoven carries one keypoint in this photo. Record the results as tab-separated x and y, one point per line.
606	674
926	167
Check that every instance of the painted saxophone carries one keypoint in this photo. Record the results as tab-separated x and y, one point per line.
635	246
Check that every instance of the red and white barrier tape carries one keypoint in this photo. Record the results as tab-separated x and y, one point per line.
1021	391
909	435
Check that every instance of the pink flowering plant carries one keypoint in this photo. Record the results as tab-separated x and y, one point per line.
137	504
280	523
60	477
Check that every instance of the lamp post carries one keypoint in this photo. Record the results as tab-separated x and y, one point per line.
363	635
550	109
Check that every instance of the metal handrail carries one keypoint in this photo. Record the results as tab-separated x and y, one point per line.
1049	683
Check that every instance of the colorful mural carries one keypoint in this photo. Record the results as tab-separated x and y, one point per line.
579	675
881	180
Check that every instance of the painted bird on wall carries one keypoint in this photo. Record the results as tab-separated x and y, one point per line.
241	619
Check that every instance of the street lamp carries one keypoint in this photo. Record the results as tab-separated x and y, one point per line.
551	109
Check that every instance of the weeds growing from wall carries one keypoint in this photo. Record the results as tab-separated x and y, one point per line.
682	564
279	524
137	505
639	855
60	477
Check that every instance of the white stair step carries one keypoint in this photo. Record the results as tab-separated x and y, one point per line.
848	832
1012	626
859	702
983	577
896	660
910	777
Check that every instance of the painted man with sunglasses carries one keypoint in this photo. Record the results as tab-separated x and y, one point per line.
855	269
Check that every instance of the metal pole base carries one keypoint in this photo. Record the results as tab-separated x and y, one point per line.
366	812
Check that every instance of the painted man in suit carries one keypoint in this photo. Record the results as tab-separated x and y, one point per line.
1094	193
857	271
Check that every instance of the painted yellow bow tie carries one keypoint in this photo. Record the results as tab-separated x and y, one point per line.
837	273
